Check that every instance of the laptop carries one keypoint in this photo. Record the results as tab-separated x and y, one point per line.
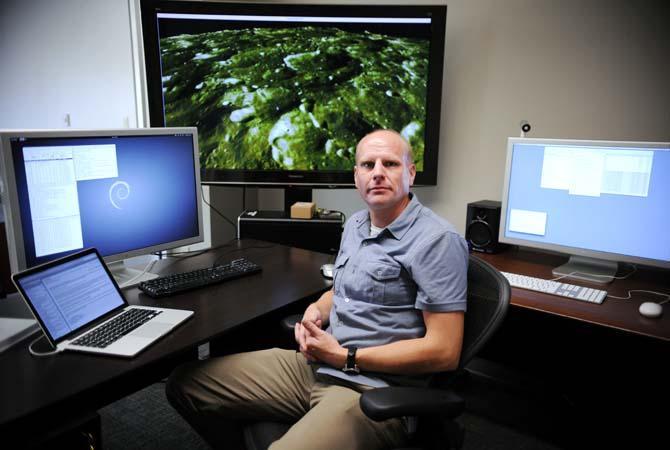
79	306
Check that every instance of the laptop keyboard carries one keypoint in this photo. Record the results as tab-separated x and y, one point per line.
116	328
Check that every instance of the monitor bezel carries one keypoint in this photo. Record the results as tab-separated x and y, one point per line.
597	254
10	200
290	178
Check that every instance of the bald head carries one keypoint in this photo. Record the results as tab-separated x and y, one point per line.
386	137
383	174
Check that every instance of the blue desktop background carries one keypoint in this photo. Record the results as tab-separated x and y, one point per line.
160	208
619	224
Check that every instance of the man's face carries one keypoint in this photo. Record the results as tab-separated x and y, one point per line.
383	173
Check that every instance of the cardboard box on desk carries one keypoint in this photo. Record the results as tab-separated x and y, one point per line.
303	210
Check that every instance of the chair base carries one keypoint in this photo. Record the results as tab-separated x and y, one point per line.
259	435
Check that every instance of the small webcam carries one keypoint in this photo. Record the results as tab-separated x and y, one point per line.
525	126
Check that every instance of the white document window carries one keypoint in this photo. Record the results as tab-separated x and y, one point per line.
529	222
51	175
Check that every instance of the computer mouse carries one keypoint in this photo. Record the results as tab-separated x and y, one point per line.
651	309
327	270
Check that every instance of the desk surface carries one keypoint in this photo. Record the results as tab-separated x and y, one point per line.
612	313
40	389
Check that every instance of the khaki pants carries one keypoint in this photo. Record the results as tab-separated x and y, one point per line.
219	395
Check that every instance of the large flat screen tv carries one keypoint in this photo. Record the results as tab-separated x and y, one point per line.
281	93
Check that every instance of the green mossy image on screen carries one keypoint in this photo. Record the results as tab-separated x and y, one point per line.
293	98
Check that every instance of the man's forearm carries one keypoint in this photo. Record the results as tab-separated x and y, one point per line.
407	357
439	350
411	356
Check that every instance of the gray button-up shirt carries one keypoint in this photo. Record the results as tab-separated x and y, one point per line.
382	284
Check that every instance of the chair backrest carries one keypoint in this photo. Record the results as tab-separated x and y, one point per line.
488	297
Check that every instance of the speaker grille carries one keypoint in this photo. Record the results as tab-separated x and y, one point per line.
479	233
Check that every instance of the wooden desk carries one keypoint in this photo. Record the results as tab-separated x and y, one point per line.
593	374
37	393
613	313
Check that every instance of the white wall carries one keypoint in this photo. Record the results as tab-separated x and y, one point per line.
66	57
592	69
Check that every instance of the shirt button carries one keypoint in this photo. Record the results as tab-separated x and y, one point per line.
346	299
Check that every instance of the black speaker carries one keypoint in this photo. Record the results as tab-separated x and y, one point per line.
482	225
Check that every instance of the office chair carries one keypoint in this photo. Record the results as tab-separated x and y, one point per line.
436	406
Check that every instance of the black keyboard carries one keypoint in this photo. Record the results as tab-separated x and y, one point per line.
186	281
116	328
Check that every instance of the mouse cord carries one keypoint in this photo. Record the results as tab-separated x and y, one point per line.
667	296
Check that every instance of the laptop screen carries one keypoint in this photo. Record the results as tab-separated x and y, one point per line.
68	295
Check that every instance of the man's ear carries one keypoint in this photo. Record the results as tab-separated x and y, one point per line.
412	174
355	178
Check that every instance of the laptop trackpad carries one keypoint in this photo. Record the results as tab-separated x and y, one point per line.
152	330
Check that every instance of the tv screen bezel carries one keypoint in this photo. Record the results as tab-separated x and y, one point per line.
288	178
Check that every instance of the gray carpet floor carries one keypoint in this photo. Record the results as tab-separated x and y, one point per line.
146	421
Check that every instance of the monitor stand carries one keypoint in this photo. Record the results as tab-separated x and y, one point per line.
126	276
587	269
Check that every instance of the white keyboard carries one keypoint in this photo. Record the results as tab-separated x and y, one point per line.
556	288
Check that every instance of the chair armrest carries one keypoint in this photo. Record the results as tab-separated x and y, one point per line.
396	401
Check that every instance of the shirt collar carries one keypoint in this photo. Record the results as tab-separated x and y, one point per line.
400	226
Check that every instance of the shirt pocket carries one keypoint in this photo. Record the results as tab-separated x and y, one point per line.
340	264
387	286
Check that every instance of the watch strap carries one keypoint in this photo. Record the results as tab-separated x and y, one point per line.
350	365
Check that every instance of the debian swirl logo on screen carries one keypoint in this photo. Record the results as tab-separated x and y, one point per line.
119	193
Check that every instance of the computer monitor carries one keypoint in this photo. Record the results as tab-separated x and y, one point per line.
127	192
602	202
281	93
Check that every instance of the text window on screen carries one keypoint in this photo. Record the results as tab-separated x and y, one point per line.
597	171
82	292
51	175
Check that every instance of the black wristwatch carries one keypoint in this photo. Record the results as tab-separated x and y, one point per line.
350	366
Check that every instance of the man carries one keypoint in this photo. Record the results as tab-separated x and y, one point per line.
395	314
